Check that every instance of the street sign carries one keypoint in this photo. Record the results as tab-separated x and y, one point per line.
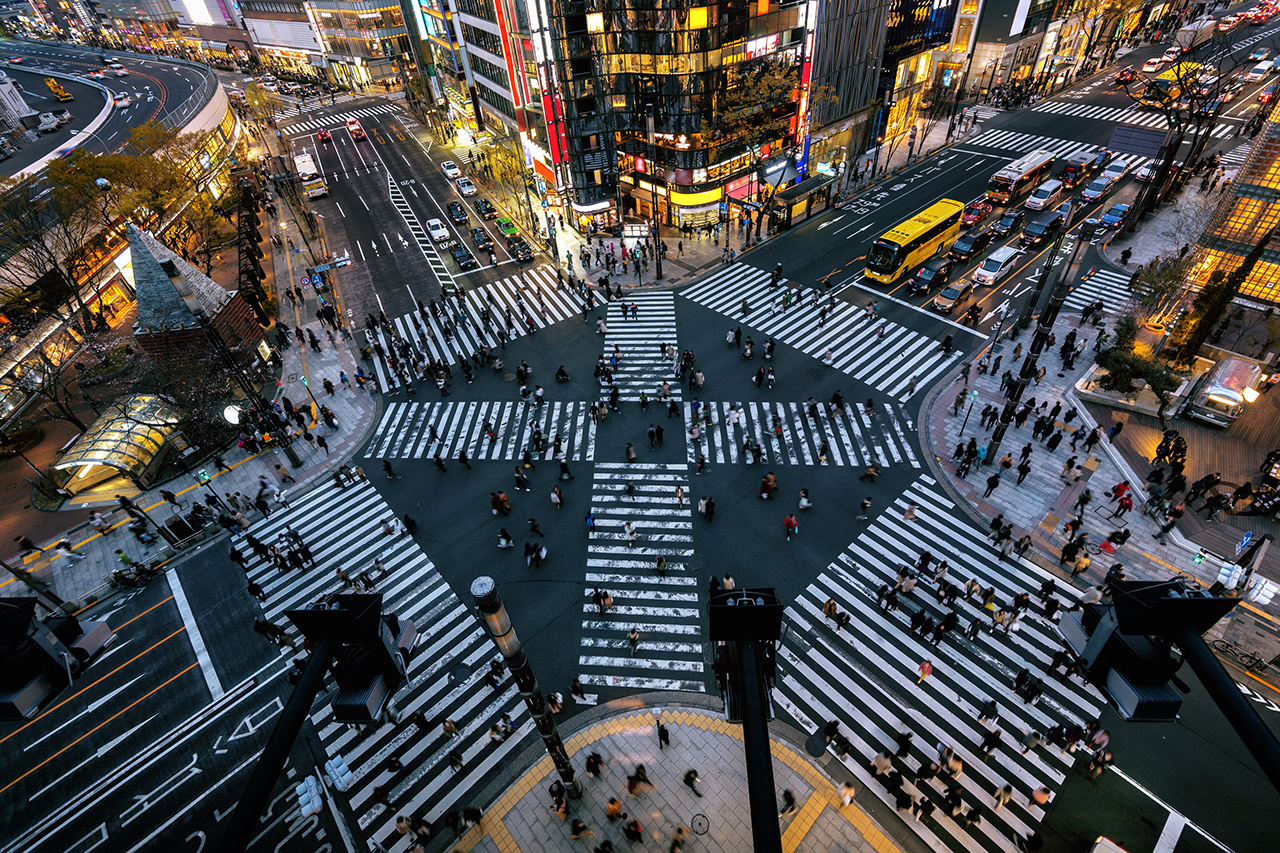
1244	541
316	281
305	280
322	268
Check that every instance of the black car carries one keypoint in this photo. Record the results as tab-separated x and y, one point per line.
463	257
485	208
482	239
1013	220
519	248
1043	228
458	213
969	245
935	273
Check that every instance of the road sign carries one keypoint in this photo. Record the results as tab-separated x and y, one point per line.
322	268
316	281
1244	541
305	280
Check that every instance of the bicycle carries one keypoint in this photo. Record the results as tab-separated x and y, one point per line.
1248	660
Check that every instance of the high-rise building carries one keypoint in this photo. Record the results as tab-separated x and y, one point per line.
365	41
285	35
848	48
140	22
1248	211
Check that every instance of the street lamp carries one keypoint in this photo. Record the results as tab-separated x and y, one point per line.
496	621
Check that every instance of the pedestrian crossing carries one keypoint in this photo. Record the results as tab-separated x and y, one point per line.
865	677
881	354
294	108
666	611
421	430
1125	115
788	434
982	112
1111	286
445	674
1235	158
516	306
1024	142
330	122
638	343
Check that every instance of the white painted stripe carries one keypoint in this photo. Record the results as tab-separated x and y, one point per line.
193	634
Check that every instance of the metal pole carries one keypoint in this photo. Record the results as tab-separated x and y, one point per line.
973	398
37	586
494	615
766	831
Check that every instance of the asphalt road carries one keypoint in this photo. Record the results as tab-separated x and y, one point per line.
156	89
150	723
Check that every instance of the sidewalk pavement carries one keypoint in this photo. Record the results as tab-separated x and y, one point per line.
1042	503
80	581
520	817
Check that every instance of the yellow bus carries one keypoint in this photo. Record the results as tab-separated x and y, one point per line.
1163	90
914	241
309	176
1021	175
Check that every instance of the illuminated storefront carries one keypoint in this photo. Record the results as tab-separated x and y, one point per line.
1250	209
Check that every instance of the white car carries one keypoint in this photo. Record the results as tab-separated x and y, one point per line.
1152	64
450	169
997	265
1171	54
1116	169
122	100
466	187
437	231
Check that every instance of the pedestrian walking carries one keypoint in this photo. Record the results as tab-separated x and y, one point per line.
925	669
691	781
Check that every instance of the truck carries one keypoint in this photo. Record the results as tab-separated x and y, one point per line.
39	658
1195	34
49	123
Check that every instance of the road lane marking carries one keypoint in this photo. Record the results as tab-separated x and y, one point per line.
197	640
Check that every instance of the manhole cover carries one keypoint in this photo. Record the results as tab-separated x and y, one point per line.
815	373
697	561
508	377
699	824
458	672
816	745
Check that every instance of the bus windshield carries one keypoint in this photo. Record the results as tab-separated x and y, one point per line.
883	255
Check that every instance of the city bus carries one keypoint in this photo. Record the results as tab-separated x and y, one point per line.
1019	176
914	241
309	176
1163	90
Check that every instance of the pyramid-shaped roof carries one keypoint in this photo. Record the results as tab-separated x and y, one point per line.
170	291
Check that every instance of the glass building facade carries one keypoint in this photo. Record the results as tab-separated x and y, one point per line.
1251	209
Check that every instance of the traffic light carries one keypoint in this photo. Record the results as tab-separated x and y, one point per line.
1199	557
203	477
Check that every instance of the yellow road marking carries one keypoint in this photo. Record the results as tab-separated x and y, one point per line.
803	821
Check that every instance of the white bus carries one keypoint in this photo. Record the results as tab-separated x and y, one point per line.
309	176
1019	176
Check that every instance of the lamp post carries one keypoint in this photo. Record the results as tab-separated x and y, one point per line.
496	621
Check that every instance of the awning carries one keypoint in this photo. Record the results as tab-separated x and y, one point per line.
127	438
803	188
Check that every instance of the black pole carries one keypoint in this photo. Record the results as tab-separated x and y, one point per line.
243	823
36	585
1239	711
766	831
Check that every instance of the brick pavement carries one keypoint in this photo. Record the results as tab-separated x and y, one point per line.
518	815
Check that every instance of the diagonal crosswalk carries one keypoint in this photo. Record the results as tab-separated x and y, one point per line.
638	345
666	611
1111	286
330	122
788	434
421	430
865	675
1132	114
515	306
445	673
881	354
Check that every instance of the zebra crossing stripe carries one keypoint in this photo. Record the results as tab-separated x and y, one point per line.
666	611
460	331
865	679
883	354
412	589
1124	115
641	366
1236	156
1110	286
405	430
338	120
1023	142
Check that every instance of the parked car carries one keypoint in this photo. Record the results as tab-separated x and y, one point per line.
356	131
507	227
953	296
437	231
996	266
481	238
1097	188
975	212
450	169
1011	221
1114	217
969	245
458	213
463	258
486	209
935	272
466	187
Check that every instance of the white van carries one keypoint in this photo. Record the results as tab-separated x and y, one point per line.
117	69
1258	73
1044	195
